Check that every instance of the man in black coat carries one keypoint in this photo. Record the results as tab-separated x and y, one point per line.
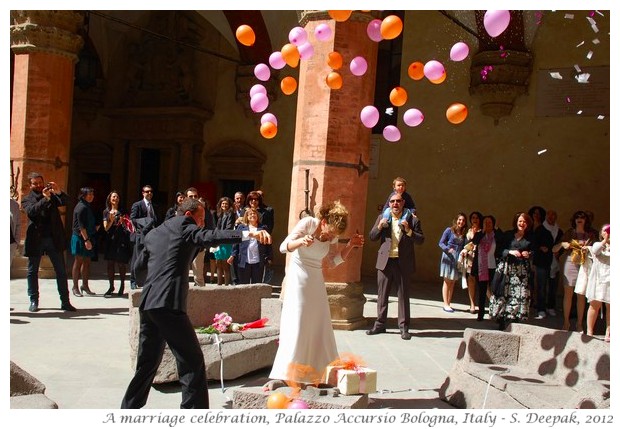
144	217
163	308
395	262
45	235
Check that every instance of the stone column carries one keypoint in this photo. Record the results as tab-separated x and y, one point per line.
334	146
45	44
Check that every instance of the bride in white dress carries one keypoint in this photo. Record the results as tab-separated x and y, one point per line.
306	336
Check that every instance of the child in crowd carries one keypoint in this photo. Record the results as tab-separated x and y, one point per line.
400	187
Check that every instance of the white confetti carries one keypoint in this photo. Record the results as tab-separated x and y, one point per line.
577	68
569	16
582	42
589	56
599	117
595	28
555	75
389	111
580	112
596	41
542	151
582	77
599	12
591	20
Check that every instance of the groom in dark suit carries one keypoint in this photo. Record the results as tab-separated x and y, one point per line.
395	262
163	308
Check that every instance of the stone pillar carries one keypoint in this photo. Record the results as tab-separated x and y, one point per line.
45	44
334	146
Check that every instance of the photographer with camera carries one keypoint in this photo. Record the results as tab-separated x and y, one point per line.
45	235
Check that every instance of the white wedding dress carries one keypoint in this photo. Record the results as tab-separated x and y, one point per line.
306	334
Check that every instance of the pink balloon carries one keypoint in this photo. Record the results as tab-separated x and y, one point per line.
257	89
305	51
374	30
262	72
391	133
297	404
269	117
358	66
459	51
369	116
297	36
413	117
276	61
433	70
259	102
323	32
496	21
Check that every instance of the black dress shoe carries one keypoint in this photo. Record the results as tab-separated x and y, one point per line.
66	306
375	331
405	335
34	307
109	292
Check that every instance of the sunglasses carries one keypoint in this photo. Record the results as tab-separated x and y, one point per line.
395	201
147	192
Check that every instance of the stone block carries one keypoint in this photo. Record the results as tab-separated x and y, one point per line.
236	354
529	367
256	398
27	392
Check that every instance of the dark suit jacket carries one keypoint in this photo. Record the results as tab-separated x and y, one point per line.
138	210
171	248
43	215
240	250
406	251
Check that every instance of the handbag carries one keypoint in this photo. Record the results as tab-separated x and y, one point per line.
500	278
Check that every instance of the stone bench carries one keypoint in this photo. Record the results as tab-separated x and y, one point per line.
242	352
27	392
529	367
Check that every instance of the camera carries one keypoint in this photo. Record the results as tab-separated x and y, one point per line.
48	186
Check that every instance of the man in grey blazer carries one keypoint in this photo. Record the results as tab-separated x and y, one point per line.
395	262
163	307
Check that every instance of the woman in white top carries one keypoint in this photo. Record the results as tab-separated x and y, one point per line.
597	291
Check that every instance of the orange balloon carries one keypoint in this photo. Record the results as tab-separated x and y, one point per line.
416	70
441	79
456	113
290	54
245	35
391	27
339	15
277	401
334	60
334	80
398	96
288	85
268	130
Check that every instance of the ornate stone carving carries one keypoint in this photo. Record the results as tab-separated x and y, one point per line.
346	304
49	31
306	16
498	89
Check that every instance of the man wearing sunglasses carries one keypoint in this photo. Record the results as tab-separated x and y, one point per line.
144	216
395	262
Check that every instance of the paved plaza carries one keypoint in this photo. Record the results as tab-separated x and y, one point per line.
83	357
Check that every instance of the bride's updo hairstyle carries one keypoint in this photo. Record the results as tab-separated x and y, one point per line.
336	216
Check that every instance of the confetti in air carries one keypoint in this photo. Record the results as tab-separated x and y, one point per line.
600	117
555	75
577	68
389	111
569	16
580	112
568	99
582	77
582	42
596	41
542	151
589	56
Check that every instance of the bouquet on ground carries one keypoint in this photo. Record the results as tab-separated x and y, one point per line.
223	323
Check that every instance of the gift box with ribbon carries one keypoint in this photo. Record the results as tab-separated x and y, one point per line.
351	376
